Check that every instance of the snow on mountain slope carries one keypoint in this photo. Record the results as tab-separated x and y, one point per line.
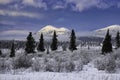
112	27
62	33
113	30
49	29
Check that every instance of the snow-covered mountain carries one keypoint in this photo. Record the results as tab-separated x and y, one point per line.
49	29
62	33
113	30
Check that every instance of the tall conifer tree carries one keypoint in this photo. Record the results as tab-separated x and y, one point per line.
72	45
41	44
30	44
12	53
54	43
117	40
107	45
0	52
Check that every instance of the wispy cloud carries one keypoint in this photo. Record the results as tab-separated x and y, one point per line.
5	1
80	5
119	4
7	22
20	13
76	5
35	3
59	5
14	32
17	34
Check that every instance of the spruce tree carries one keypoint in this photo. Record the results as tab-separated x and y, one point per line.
72	45
117	40
54	44
107	45
30	44
0	52
12	53
48	50
41	44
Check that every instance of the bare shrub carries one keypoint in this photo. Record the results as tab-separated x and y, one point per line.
5	64
51	65
22	61
38	64
106	63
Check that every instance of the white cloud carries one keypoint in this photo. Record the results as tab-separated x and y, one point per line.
59	5
5	22
5	1
35	3
14	32
20	13
119	4
77	5
80	5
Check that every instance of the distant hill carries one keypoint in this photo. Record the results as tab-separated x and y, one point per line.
113	30
49	29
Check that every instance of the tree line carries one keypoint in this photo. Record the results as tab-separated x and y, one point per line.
30	43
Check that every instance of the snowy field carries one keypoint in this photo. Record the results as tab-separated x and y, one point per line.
60	76
87	65
88	73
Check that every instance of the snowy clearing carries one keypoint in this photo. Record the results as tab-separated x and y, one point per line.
88	73
60	76
87	66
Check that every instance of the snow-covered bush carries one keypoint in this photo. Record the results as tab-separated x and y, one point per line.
106	63
64	47
51	65
117	63
100	63
70	66
81	55
22	61
117	54
78	65
5	52
38	64
5	64
110	66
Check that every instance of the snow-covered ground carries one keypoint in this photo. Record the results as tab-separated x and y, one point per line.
88	73
83	59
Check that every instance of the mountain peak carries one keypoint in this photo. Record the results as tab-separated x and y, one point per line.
49	29
113	30
112	27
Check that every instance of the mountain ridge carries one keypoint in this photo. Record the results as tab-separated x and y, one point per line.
49	29
112	28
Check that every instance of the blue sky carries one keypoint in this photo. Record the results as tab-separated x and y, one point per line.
81	15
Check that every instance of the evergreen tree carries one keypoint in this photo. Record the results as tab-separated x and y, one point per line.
30	44
54	42
41	44
48	50
117	39
0	52
12	53
107	45
72	45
